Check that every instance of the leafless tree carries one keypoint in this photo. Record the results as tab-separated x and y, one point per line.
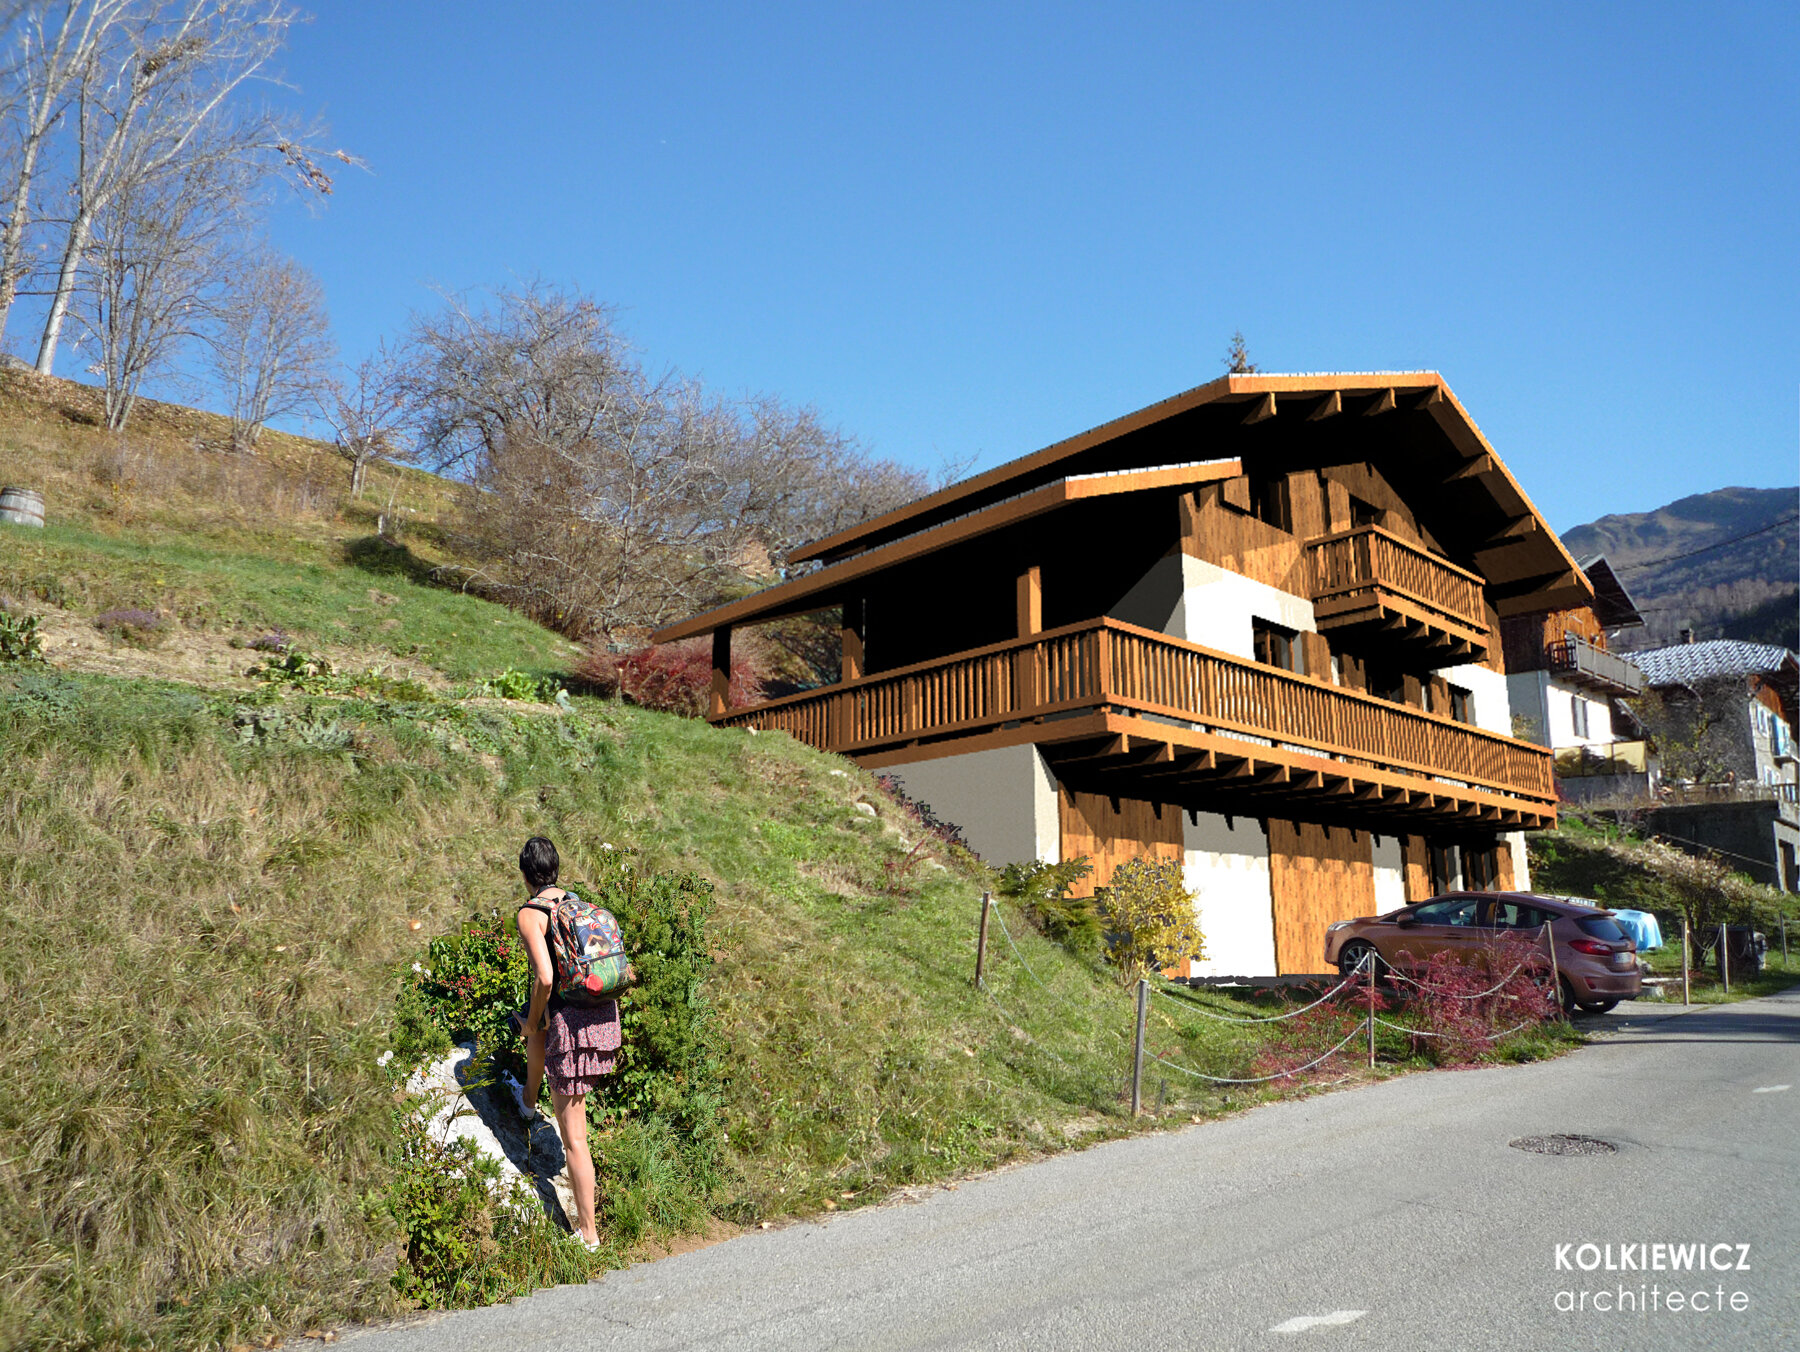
52	46
609	497
269	343
155	254
366	408
140	107
1237	356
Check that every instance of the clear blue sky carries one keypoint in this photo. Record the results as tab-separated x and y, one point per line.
976	229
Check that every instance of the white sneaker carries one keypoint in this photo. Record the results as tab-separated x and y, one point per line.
525	1110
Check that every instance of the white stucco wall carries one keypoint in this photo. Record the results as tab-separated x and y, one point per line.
1487	691
1004	800
1560	701
1390	874
1226	867
1205	604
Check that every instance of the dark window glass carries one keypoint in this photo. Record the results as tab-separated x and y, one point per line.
1462	707
1276	646
1602	927
1363	513
1450	911
1511	915
1386	682
1269	500
1443	868
1578	715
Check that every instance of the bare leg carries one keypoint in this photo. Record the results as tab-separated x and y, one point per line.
534	1066
571	1121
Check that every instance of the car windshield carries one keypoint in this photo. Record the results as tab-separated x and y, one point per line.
1601	927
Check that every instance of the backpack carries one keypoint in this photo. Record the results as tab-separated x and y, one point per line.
586	949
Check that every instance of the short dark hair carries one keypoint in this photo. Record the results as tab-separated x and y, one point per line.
538	862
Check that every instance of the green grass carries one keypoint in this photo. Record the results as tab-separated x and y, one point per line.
361	593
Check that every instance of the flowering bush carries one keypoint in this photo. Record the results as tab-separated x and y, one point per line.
139	628
673	678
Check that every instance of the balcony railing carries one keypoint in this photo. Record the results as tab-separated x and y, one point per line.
1103	665
1582	662
1355	571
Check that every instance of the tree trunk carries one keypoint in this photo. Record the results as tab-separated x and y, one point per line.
65	288
358	468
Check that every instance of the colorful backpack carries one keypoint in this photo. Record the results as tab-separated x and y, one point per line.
587	951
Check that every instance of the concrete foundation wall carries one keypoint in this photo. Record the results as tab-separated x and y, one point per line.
1225	864
1004	800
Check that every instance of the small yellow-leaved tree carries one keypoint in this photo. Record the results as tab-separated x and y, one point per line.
1149	918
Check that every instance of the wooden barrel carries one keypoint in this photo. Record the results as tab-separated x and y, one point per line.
22	506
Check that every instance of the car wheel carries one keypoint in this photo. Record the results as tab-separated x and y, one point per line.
1355	954
1595	1006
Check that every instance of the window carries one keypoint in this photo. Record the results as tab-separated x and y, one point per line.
1269	500
1459	911
1386	682
1602	927
1275	646
1578	714
1462	705
1511	915
1363	513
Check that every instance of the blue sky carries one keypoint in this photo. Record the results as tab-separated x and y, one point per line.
972	230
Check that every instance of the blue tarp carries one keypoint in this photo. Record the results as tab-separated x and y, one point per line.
1642	927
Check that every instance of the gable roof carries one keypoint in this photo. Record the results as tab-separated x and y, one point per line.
1683	663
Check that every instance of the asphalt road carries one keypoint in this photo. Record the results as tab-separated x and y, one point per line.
1394	1216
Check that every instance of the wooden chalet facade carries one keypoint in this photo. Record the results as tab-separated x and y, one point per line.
1255	628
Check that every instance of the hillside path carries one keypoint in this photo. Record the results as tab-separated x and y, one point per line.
1393	1216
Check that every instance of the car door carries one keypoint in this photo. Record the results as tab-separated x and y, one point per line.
1449	923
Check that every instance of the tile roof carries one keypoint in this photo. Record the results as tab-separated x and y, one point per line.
1684	662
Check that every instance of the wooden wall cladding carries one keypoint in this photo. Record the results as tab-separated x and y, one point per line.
1317	875
1239	543
1111	830
1503	867
1418	868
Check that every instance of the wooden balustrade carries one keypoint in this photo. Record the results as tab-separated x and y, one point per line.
1371	559
1104	664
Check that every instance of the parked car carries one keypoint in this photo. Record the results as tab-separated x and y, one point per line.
1595	957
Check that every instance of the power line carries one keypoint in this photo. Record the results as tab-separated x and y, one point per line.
1705	549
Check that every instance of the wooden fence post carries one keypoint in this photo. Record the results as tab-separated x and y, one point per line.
1555	970
1784	955
1687	995
1137	1053
1724	958
1371	1009
987	901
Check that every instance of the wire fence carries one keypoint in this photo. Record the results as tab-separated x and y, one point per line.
1360	980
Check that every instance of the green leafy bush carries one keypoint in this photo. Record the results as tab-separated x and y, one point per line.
1149	918
520	685
1043	890
20	640
303	670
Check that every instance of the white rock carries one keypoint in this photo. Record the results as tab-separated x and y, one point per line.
867	809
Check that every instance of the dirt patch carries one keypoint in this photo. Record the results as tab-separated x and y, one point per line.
654	1250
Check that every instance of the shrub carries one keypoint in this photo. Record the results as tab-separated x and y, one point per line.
139	628
1149	918
305	671
20	639
275	641
674	678
1043	892
520	685
1466	1005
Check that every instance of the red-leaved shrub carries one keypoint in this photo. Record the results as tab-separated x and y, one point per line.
673	678
1467	1005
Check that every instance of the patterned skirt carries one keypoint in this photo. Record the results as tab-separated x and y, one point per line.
581	1046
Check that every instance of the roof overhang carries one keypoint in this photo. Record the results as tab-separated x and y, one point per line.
826	586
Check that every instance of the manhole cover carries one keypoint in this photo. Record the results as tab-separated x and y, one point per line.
1564	1145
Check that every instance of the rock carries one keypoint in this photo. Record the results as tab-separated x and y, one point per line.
867	809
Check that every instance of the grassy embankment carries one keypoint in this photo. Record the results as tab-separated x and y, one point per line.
1576	859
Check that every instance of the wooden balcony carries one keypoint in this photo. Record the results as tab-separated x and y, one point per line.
1132	711
1371	578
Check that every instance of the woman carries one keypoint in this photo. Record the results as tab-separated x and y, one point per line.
574	1045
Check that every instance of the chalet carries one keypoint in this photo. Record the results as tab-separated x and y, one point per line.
1254	628
1569	690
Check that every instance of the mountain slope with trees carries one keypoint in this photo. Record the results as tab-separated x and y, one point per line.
1722	564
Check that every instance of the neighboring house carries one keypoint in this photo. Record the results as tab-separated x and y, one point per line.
1727	718
1253	628
1568	691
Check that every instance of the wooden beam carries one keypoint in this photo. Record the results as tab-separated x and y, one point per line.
852	643
1327	407
1031	601
1384	403
1261	410
1430	399
1518	527
1481	464
719	697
